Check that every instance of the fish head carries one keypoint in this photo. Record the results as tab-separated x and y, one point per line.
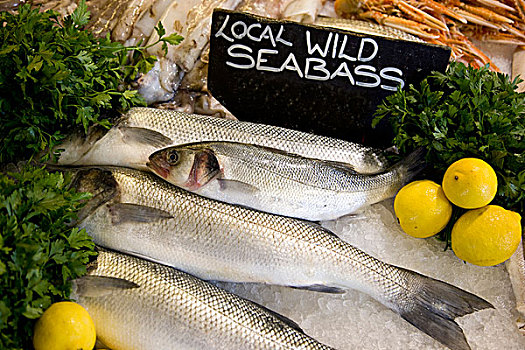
100	183
188	166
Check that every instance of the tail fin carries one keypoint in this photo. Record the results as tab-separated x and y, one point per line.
434	307
411	165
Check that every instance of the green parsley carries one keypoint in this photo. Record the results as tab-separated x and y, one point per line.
465	112
39	253
55	76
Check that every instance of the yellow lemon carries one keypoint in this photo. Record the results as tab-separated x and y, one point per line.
64	326
470	183
422	208
486	236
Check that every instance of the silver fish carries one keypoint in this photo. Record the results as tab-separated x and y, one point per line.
138	304
140	214
277	182
143	131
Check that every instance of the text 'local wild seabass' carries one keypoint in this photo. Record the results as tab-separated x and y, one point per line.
284	73
350	55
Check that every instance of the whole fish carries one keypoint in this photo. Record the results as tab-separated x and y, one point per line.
138	213
138	304
143	131
278	182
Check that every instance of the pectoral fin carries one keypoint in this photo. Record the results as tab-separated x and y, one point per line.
321	288
128	212
145	136
237	186
97	286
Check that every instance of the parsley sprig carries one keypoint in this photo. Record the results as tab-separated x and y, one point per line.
465	112
55	76
39	253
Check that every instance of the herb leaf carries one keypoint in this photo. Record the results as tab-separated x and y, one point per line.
39	253
465	112
55	76
173	39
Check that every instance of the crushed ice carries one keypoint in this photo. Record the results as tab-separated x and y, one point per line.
356	321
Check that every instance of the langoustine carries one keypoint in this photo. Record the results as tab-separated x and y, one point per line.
447	22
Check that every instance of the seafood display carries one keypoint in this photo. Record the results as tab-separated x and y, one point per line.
452	23
301	10
140	214
192	20
133	22
269	8
143	131
137	304
182	205
371	28
449	22
277	182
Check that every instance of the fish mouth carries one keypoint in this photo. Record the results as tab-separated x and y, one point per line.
159	169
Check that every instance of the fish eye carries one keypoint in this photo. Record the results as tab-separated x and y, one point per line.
173	157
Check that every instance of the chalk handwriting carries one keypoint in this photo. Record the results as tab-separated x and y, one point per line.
353	60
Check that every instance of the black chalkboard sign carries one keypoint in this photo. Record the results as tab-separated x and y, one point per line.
316	79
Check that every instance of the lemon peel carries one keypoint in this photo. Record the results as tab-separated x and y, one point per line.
486	236
422	208
470	183
64	325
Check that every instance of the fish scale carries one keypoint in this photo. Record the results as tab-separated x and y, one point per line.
218	241
188	128
171	309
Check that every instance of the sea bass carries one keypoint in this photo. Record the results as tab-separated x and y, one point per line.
138	213
143	131
278	182
137	304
